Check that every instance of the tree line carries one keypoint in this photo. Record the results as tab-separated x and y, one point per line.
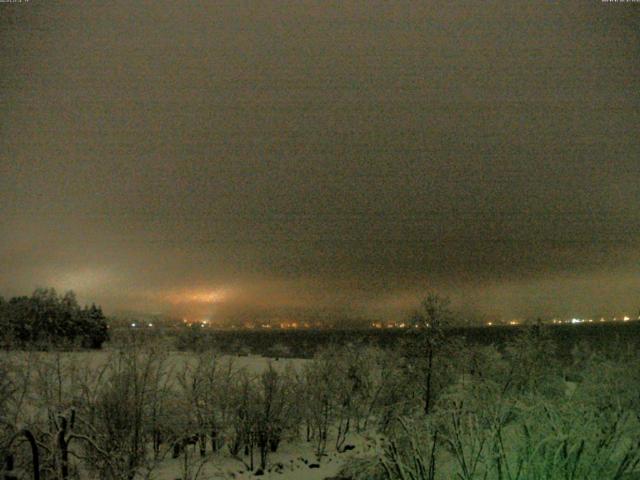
46	318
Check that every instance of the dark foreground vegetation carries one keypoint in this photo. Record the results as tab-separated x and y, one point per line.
437	407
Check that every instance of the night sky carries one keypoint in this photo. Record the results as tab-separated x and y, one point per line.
322	159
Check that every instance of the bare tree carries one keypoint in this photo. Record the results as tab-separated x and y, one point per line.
431	321
114	420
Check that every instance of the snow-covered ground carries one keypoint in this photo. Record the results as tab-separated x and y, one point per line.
292	462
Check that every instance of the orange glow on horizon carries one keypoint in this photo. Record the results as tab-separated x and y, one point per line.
199	296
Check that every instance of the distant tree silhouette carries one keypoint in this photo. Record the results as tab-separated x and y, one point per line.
46	317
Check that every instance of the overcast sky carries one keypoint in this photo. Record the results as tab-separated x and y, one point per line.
328	159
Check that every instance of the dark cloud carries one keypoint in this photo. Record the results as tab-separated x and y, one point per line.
332	156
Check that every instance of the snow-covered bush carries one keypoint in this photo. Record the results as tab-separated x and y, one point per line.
116	417
411	452
495	424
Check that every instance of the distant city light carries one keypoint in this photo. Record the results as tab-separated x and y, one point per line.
290	324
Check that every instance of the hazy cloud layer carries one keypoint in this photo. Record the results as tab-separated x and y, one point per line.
334	157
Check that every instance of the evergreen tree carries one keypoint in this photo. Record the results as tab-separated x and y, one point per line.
46	318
